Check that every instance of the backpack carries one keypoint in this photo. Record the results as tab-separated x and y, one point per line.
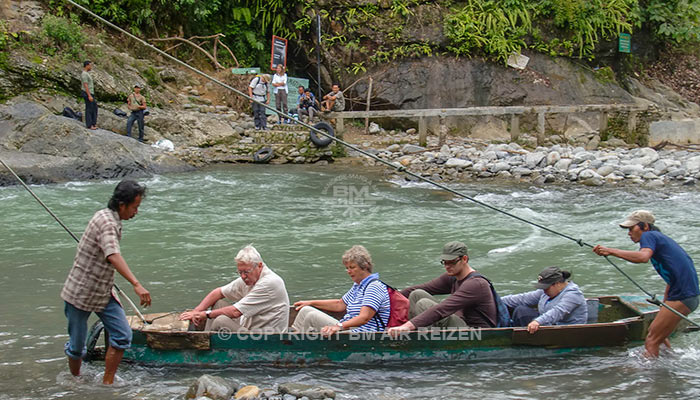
398	307
259	85
69	113
502	315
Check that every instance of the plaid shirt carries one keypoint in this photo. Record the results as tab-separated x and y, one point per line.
89	283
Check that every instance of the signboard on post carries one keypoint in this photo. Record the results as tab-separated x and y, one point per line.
279	52
625	43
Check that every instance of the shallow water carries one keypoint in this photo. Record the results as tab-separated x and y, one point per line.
190	226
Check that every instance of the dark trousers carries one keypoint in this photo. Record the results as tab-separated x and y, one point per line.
90	110
281	102
135	116
259	116
523	315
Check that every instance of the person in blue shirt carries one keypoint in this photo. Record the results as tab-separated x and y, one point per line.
366	305
674	266
558	300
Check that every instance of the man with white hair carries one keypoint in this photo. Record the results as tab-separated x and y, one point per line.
259	297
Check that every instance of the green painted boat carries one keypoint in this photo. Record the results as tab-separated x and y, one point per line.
613	321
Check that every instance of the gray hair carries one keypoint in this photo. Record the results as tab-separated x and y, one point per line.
249	255
359	255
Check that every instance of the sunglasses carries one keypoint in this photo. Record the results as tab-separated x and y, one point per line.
451	262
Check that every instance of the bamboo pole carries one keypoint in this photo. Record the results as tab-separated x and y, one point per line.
369	95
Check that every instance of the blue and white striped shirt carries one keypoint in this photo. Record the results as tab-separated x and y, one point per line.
371	293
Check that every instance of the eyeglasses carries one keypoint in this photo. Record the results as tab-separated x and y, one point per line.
451	262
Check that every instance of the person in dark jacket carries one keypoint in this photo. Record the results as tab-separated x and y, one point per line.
470	302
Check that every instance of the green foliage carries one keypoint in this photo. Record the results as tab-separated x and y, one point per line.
357	68
604	75
151	76
247	24
400	7
405	51
585	22
496	27
677	21
62	34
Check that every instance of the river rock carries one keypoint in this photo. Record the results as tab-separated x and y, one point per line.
632	169
374	128
213	387
457	163
394	148
693	164
645	157
521	171
563	164
411	131
582	156
676	173
499	167
533	160
410	149
605	170
553	157
310	391
249	392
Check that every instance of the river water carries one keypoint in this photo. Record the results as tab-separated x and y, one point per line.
189	228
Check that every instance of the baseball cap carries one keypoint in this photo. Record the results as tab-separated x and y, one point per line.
548	277
637	217
453	250
138	85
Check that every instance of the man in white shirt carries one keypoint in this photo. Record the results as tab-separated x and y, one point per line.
259	297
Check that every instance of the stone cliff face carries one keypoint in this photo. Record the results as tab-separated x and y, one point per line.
44	148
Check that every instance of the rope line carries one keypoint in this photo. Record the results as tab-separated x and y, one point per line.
70	233
398	168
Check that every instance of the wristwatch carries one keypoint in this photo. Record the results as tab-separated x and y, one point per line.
208	312
340	325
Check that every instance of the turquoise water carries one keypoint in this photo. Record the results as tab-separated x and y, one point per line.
190	227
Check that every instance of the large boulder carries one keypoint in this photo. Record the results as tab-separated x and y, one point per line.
43	148
213	387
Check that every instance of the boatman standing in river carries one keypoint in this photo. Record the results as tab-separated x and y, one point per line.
90	282
671	262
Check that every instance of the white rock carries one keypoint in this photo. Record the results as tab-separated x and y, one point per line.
588	174
533	160
693	164
583	156
457	163
490	155
563	164
499	167
605	170
553	157
445	151
374	128
632	170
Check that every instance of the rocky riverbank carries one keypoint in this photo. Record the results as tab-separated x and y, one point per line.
464	160
208	387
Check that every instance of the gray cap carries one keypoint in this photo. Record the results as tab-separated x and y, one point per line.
548	277
453	250
637	217
138	85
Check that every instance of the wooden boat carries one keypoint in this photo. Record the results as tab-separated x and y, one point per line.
613	321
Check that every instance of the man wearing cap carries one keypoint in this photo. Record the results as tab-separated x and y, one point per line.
258	91
137	104
674	266
470	302
558	302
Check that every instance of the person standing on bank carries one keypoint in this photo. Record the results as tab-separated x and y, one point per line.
258	90
88	92
558	301
90	283
280	89
674	266
137	104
